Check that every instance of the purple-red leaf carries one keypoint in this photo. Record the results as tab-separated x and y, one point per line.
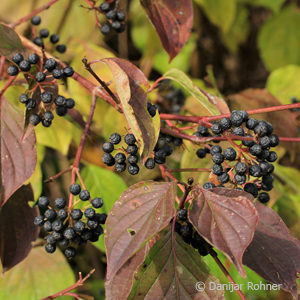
273	253
173	21
143	210
18	153
132	86
226	218
9	40
173	270
17	230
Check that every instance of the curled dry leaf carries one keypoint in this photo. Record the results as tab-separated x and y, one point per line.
143	210
173	21
226	219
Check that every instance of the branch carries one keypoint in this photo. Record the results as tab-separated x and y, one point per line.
226	273
35	12
193	119
103	84
72	287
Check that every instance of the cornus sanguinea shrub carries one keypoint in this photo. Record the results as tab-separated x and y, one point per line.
164	185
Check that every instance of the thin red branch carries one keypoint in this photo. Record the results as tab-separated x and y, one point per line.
193	119
72	287
52	178
35	12
226	273
190	170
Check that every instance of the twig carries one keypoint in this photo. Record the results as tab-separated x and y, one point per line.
35	12
66	291
193	119
52	178
190	170
226	273
103	84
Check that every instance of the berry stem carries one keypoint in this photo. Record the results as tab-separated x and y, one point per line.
226	273
80	178
154	85
190	170
66	291
193	119
52	178
33	13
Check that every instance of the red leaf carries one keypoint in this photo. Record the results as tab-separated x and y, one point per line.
132	86
17	230
173	21
18	153
143	210
274	254
226	218
173	270
9	40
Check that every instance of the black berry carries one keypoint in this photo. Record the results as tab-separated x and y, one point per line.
12	70
84	195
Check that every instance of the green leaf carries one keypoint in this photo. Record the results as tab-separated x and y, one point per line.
36	179
284	83
9	40
58	136
171	271
38	276
105	184
219	12
187	83
279	39
274	5
238	31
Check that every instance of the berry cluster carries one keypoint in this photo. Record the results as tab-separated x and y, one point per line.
164	147
250	167
189	235
115	18
119	160
39	100
43	34
161	151
70	228
172	100
293	101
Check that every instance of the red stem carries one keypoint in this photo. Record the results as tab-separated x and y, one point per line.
190	170
226	273
193	119
70	288
7	85
35	12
